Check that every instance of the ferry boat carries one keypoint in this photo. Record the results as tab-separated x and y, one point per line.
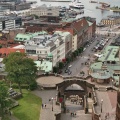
76	5
93	1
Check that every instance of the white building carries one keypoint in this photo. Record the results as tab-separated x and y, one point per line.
45	11
7	22
45	44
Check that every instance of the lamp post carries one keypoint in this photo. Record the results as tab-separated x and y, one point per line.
112	84
101	104
52	103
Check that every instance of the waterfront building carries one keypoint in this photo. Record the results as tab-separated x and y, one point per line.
13	6
8	22
107	67
43	10
111	20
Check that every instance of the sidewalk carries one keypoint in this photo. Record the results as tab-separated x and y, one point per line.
47	113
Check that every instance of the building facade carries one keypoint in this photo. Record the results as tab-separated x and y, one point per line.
111	20
45	11
7	23
45	44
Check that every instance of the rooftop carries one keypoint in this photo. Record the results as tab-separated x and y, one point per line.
45	65
110	53
43	41
28	36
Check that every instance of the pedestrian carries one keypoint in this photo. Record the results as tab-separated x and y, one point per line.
106	116
45	105
42	105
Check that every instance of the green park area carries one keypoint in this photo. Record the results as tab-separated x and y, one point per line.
29	107
21	75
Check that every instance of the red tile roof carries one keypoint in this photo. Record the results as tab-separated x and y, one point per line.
10	50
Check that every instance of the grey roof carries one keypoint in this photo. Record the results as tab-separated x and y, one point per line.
42	41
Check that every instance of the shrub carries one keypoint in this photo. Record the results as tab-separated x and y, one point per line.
33	85
23	86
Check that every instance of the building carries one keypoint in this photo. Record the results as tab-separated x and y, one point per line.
67	37
108	66
111	20
81	29
45	44
6	51
92	27
43	10
78	29
45	65
13	6
7	22
20	37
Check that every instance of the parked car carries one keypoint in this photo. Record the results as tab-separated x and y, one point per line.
66	70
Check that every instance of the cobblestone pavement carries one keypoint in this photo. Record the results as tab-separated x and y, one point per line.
47	113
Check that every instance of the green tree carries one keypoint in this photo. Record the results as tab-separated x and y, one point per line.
20	69
61	65
0	46
55	69
4	101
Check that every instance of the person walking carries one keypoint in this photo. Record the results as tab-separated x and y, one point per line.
45	105
42	105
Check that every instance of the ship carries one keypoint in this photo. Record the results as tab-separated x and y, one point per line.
93	1
76	5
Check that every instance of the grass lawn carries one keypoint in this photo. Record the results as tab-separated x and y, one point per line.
29	107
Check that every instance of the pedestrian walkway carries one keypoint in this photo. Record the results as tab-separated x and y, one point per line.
79	116
46	113
105	107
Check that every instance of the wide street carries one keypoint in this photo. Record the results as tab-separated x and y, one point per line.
88	54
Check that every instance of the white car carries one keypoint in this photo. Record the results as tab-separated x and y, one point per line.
70	66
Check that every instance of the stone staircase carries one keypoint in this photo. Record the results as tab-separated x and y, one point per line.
104	89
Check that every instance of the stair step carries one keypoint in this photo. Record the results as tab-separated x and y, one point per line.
102	89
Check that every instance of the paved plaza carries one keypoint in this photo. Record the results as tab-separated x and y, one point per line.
46	112
49	80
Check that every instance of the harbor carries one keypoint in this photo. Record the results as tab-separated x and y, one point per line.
89	8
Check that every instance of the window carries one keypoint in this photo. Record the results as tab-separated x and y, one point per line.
45	51
49	13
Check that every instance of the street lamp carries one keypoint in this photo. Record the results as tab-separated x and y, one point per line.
52	103
112	84
101	104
